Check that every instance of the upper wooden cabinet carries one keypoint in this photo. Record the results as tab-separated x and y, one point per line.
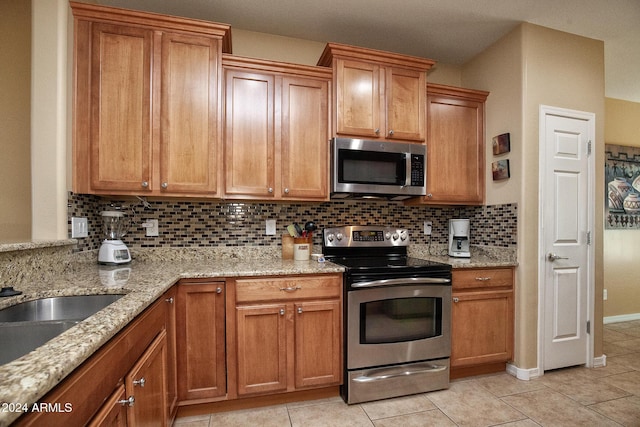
146	103
378	95
276	141
455	146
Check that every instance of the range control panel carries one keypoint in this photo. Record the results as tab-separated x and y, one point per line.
365	235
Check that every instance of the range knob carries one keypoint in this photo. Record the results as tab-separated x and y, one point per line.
339	236
387	235
330	237
403	236
395	236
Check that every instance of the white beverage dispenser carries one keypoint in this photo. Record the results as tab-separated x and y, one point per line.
459	238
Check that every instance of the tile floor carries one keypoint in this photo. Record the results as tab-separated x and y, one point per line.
607	396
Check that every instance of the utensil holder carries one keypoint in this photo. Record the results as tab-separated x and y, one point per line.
302	248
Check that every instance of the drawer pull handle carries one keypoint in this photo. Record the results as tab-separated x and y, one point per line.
130	401
141	382
290	288
483	279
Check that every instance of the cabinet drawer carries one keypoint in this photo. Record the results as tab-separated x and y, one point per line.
288	288
482	278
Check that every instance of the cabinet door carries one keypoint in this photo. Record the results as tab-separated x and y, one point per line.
261	348
200	338
406	104
481	327
304	138
147	383
120	100
358	99
249	134
318	343
170	325
455	150
113	412
189	114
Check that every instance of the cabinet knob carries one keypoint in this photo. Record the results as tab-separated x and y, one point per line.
169	300
456	299
145	184
299	310
140	382
282	312
429	195
286	191
164	184
270	190
377	131
391	132
218	290
130	401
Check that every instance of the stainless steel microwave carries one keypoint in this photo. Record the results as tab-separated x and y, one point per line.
377	169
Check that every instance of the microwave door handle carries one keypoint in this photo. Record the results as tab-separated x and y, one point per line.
405	281
407	169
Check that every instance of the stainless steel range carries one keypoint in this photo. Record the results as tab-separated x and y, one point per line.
397	314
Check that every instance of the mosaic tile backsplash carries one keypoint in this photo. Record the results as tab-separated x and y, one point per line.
186	223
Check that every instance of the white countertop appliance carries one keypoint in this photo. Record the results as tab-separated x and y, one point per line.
113	250
459	238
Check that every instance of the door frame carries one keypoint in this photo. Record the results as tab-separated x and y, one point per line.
545	110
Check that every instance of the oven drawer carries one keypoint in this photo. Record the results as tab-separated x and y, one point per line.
288	288
482	278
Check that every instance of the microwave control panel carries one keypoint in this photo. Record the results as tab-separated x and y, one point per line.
417	170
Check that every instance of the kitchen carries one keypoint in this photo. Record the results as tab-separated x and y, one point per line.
366	211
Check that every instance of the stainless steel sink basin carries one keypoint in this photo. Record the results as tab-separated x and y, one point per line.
20	338
57	308
28	325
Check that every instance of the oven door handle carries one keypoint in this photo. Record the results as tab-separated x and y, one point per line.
388	374
405	281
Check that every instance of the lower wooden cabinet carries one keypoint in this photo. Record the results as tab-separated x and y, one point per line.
123	383
288	333
200	340
482	320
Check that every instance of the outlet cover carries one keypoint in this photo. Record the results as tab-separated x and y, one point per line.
79	228
152	228
427	228
270	227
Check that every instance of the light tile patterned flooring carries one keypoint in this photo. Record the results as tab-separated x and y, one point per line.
607	396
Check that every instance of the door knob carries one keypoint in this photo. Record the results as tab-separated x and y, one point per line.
552	257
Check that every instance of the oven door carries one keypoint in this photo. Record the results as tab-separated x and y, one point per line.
398	324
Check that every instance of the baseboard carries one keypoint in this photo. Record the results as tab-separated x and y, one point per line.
522	374
621	318
600	361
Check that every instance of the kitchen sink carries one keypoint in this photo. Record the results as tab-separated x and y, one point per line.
19	338
57	308
28	325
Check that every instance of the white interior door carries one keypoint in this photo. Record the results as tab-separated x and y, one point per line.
566	222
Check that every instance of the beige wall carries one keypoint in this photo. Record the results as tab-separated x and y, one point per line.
15	82
532	66
621	267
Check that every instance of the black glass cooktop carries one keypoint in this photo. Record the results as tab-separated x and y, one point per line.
384	263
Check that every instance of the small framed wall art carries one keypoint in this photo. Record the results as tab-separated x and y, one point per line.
500	170
501	144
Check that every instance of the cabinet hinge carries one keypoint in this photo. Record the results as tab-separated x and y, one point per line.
589	148
588	326
588	237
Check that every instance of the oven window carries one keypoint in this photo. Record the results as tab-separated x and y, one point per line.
400	319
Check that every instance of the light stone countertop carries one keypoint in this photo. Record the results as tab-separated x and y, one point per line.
30	377
144	280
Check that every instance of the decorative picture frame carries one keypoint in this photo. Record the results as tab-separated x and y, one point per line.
500	170
501	144
622	187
